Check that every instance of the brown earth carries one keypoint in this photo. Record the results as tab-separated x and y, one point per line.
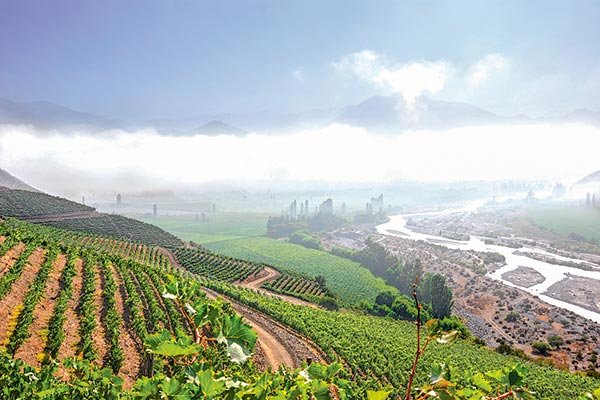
14	298
128	341
32	350
68	347
10	257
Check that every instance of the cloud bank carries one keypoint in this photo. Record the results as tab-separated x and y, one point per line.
336	154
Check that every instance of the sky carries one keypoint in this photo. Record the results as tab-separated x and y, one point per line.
146	59
142	60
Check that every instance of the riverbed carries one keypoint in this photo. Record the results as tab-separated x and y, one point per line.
552	273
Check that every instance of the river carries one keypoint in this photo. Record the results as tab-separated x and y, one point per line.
552	273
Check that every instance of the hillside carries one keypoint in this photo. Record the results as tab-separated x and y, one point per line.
11	182
350	280
593	178
46	115
59	300
62	213
28	204
119	227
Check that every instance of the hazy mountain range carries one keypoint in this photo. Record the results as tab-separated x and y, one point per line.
9	181
383	114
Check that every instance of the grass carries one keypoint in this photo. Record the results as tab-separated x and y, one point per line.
351	281
220	226
567	220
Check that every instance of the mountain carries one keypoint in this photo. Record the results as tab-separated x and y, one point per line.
581	115
215	127
593	178
391	114
12	182
46	115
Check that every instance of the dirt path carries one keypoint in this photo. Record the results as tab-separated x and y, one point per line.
33	347
279	344
68	347
268	274
132	350
11	305
62	217
99	336
10	257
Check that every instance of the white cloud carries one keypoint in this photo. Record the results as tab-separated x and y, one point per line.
410	80
147	160
414	79
485	68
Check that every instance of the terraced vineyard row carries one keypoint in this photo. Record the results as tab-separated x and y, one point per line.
295	286
23	203
119	227
142	253
214	266
58	302
379	351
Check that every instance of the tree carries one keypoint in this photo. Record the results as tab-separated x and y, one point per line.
588	202
403	274
434	290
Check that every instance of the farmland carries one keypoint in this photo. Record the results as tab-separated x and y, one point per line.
382	348
52	297
119	227
566	220
23	203
219	226
348	279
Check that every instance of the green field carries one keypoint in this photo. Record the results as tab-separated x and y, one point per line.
351	281
220	226
567	220
383	348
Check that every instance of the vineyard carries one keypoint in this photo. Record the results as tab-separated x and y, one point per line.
60	301
23	203
295	286
214	266
379	350
348	279
139	252
119	227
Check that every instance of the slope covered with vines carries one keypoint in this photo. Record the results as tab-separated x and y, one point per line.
24	203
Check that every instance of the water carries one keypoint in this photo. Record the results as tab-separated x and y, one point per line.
552	273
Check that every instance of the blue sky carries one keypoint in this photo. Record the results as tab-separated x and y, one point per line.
151	59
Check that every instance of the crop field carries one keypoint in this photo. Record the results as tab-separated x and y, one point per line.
382	348
294	286
58	302
567	220
220	226
22	203
215	266
120	228
351	281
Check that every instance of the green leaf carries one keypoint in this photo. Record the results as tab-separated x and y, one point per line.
208	385
378	395
482	383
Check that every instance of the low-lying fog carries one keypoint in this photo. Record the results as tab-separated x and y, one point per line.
337	154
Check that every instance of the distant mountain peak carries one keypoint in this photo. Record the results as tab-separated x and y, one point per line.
216	127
